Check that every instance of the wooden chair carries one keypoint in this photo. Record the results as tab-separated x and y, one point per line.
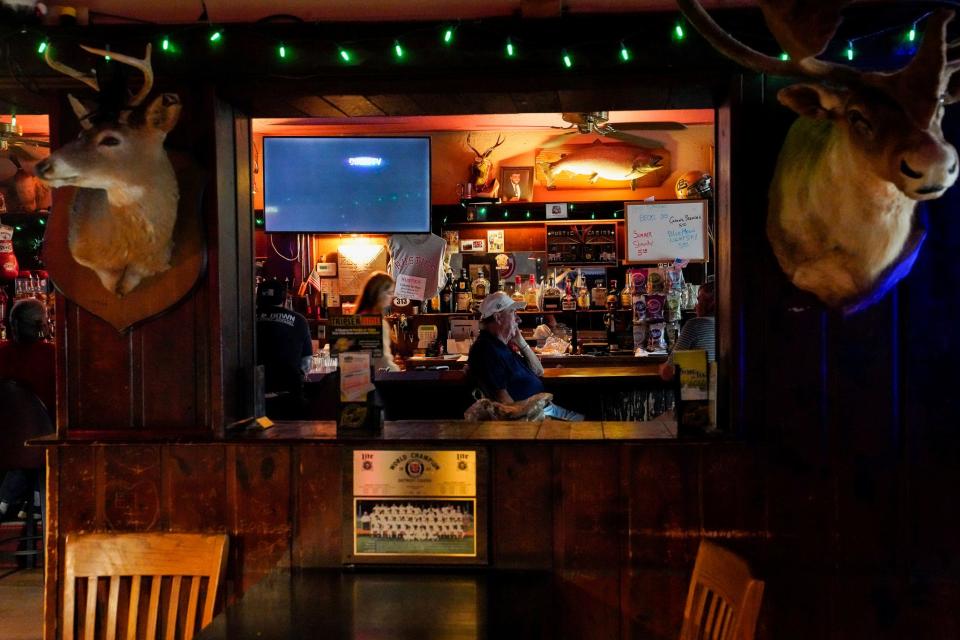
724	599
108	571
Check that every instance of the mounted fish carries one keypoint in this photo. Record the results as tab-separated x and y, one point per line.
602	165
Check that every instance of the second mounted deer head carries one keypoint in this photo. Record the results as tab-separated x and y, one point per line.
867	147
481	171
122	221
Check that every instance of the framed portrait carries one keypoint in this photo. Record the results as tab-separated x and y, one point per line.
516	184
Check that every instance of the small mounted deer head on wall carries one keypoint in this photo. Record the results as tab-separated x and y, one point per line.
123	217
481	171
867	147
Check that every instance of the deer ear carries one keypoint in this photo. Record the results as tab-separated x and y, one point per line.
812	100
163	112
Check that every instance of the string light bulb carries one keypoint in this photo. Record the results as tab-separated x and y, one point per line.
850	52
912	35
345	55
567	59
448	36
678	31
624	52
511	51
165	44
282	50
216	36
398	50
42	47
784	56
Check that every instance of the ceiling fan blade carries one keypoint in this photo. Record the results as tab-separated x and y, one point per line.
559	140
651	126
632	139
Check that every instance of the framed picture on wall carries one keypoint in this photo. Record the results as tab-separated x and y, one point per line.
516	184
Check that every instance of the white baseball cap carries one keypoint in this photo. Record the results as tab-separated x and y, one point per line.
496	302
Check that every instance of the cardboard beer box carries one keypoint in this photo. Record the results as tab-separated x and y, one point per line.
693	407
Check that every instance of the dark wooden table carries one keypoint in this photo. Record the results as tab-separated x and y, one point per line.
421	605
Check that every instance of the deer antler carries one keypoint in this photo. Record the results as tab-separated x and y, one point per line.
143	65
804	28
85	78
498	143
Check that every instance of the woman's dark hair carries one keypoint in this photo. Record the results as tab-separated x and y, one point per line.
377	283
28	322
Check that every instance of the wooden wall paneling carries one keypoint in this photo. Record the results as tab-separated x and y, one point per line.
662	492
395	104
588	537
864	408
77	472
262	510
131	487
166	380
51	546
194	489
98	370
318	506
521	514
354	105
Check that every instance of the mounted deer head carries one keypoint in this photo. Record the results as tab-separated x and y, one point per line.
866	148
122	221
481	171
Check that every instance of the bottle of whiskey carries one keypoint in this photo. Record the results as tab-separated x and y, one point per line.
480	287
517	294
531	294
446	294
569	303
462	294
626	296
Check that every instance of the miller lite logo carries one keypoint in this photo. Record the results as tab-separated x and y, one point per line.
414	468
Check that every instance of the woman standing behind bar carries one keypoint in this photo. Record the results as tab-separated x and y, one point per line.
376	297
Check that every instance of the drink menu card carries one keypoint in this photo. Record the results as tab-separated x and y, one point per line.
355	380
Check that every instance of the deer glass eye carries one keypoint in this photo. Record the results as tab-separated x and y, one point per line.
858	122
109	141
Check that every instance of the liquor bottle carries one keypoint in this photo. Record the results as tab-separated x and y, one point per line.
462	294
626	296
446	294
4	302
613	296
569	303
598	295
480	286
531	294
517	294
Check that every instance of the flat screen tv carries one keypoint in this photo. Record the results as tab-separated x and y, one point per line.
346	184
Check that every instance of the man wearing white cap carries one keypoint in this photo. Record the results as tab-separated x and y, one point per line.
501	373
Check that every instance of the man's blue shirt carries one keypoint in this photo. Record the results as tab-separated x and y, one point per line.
496	366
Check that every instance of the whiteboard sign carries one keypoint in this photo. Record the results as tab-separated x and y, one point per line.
662	231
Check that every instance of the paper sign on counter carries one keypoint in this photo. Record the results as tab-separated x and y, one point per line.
354	376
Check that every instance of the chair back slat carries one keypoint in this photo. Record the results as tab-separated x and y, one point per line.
165	559
153	608
172	605
724	599
134	608
112	600
192	607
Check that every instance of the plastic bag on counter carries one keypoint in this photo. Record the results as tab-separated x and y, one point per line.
529	410
555	345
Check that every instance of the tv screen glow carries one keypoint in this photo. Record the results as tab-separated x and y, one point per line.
346	185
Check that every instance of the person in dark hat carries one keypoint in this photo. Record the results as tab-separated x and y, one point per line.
283	348
29	360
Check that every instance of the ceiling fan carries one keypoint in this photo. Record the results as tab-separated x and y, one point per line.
597	122
14	145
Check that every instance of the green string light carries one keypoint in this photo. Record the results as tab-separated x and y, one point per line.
528	215
448	36
345	55
678	32
511	51
567	59
784	56
216	36
398	50
282	50
624	53
42	47
165	44
42	221
850	52
912	35
506	214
